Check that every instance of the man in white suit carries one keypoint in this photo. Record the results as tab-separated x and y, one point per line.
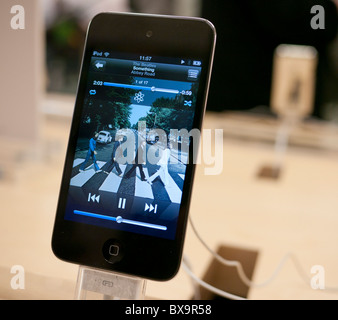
162	172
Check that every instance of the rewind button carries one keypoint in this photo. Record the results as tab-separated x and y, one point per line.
93	198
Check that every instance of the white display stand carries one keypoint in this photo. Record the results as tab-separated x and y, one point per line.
109	285
282	141
292	93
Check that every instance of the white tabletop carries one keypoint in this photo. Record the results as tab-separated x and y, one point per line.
297	213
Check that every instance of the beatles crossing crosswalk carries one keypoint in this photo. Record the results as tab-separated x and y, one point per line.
111	182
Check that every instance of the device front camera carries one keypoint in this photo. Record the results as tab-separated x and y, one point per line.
149	34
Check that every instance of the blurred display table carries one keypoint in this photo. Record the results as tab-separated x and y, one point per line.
297	213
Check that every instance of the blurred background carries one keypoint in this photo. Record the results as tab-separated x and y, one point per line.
268	214
248	33
66	26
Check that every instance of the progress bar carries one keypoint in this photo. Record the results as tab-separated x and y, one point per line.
119	219
130	86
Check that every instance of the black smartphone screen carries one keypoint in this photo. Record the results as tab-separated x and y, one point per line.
131	154
130	160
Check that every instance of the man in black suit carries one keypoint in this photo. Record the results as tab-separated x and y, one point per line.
139	161
115	156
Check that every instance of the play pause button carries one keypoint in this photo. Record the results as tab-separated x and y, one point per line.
150	208
122	203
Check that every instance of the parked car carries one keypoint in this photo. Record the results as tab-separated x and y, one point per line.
104	137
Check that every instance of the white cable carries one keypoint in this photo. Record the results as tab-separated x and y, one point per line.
187	265
236	264
211	288
242	274
280	149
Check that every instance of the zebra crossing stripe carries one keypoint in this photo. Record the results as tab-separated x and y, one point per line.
143	188
113	181
80	179
77	162
181	176
174	192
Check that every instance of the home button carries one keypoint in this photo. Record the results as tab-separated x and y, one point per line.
112	251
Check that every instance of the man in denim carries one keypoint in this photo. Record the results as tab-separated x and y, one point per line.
91	154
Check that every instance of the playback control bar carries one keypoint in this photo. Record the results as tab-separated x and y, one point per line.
134	87
181	72
119	219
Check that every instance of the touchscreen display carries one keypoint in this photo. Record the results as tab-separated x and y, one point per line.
132	144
